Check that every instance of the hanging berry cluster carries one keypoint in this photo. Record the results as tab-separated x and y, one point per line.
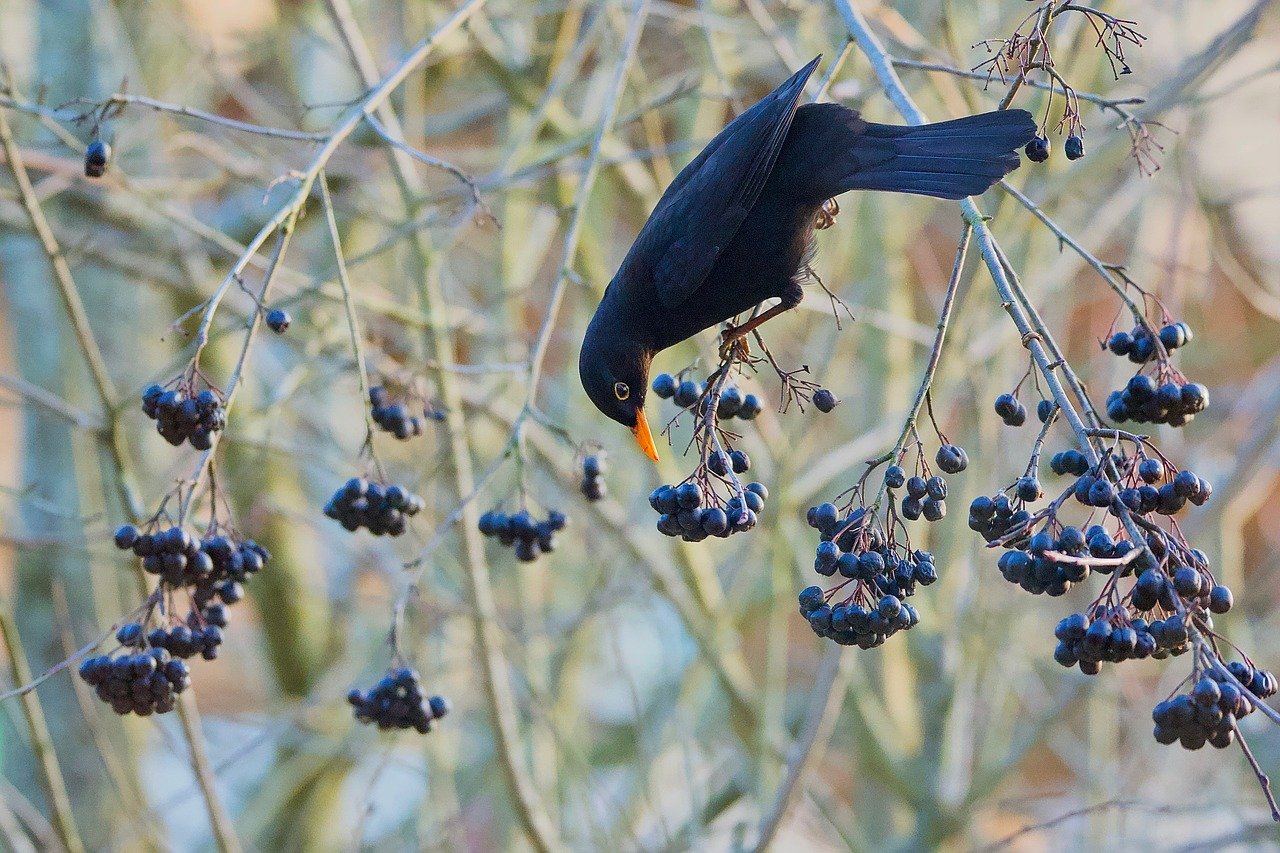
1209	711
876	571
520	530
393	414
382	510
142	682
1163	396
693	513
730	402
873	561
398	701
148	668
592	485
183	414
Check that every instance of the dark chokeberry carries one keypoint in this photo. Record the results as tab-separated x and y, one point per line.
1037	149
278	320
96	157
687	393
824	401
664	385
917	487
895	477
951	459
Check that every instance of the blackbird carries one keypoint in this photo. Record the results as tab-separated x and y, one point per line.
736	225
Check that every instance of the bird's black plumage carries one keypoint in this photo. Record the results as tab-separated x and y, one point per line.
734	227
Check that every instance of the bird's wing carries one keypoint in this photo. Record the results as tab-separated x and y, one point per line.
701	211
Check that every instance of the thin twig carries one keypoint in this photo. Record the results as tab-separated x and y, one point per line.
427	159
353	320
1099	100
935	354
237	373
1008	840
51	403
1263	780
117	101
66	285
1102	269
55	786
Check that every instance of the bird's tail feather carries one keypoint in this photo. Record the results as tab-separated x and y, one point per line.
950	159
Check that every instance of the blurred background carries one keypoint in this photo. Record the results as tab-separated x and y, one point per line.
630	692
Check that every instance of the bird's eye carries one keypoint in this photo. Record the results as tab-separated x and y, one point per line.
621	391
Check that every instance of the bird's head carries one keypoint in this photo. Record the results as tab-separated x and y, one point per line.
615	375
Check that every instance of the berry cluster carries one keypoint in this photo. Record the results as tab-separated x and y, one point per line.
592	486
731	404
182	415
1112	634
877	574
144	679
139	682
1209	711
694	512
926	492
529	537
398	702
1139	345
382	510
1144	402
393	416
215	566
1165	398
1052	558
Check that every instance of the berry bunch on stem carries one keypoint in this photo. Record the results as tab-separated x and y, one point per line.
1158	393
184	411
712	500
393	410
593	467
380	509
206	573
522	531
398	701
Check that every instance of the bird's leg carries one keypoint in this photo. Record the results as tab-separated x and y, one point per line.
827	214
736	335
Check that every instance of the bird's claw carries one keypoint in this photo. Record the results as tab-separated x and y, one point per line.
733	343
827	214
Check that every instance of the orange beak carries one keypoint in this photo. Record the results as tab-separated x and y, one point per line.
644	438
